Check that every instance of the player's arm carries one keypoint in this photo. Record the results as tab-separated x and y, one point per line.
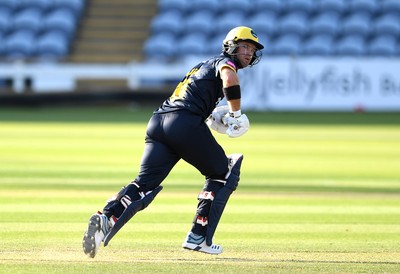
238	123
231	88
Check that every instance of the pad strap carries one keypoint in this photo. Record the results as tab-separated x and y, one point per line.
126	201
206	195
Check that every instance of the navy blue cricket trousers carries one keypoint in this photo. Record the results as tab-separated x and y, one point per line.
179	135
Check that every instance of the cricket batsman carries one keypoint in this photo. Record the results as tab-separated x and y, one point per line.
180	129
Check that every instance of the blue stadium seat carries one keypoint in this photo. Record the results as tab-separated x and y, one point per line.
263	22
357	23
213	6
391	6
275	6
160	46
30	18
180	6
43	5
294	23
242	6
265	40
200	22
325	22
5	19
339	6
19	44
214	45
52	45
61	20
10	4
167	22
369	6
319	45
288	44
1	43
228	21
76	6
192	44
306	6
383	45
351	45
387	24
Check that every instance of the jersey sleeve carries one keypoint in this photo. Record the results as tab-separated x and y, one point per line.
226	62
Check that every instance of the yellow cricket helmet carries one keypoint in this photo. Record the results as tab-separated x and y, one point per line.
242	33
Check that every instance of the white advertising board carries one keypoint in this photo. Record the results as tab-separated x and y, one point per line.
322	84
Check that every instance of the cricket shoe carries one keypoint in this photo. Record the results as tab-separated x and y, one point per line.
198	243
98	228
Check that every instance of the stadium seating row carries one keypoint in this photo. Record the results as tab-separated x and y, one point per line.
268	23
38	28
76	6
23	44
279	6
36	21
165	45
310	27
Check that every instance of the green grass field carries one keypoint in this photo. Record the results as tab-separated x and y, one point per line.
318	193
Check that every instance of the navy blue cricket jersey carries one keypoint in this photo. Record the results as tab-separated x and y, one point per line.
201	88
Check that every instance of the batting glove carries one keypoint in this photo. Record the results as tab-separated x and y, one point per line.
238	124
214	121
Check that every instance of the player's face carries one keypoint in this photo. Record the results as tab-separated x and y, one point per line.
245	52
